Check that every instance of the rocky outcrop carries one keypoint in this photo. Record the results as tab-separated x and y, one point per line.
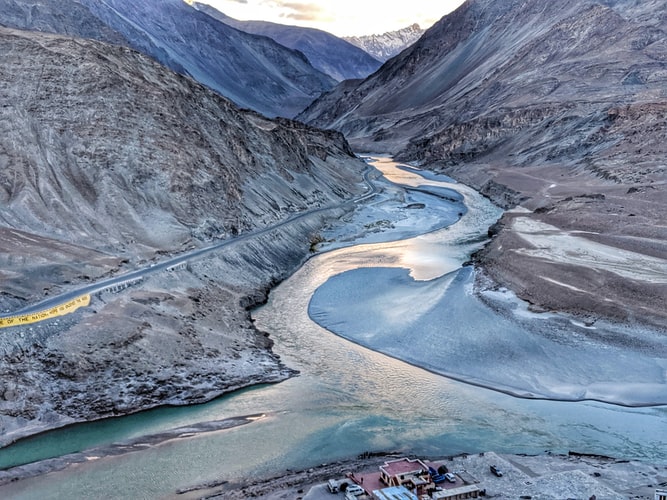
253	71
329	54
533	104
108	160
386	45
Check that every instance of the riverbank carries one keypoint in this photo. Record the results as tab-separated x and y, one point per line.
545	476
416	303
576	242
181	337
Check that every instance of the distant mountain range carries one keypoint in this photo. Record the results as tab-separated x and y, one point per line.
254	71
334	56
271	68
387	45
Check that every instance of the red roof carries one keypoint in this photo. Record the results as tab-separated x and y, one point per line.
403	466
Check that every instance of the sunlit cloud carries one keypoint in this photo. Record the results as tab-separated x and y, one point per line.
300	11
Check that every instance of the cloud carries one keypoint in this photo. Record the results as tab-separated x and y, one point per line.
222	5
300	11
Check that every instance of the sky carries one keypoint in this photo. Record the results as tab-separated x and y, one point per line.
340	17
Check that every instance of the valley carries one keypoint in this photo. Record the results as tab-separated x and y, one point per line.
547	118
261	249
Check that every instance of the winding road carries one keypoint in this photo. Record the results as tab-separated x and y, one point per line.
131	277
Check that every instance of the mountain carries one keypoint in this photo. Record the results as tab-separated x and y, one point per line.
329	54
387	45
104	148
557	107
255	72
108	160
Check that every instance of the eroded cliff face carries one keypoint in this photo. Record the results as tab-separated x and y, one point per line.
109	160
557	107
67	17
102	147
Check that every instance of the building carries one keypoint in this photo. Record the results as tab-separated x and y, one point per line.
413	475
414	479
399	472
458	493
660	494
394	493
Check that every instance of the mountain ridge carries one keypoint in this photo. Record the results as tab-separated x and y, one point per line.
327	53
255	72
386	45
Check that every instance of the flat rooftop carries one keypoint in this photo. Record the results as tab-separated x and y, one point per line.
403	466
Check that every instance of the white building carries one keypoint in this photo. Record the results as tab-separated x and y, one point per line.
394	493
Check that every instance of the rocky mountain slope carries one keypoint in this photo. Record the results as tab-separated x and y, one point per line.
328	53
386	45
556	107
253	71
108	159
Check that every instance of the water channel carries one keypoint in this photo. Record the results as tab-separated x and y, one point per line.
349	398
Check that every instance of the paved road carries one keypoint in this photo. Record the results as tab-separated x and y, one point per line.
141	273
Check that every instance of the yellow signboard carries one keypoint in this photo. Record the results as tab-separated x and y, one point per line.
60	310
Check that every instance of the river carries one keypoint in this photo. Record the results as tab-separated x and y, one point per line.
348	397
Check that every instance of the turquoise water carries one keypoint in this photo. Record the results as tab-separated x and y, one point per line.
346	401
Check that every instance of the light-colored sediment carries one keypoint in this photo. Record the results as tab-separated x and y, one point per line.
571	247
598	253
